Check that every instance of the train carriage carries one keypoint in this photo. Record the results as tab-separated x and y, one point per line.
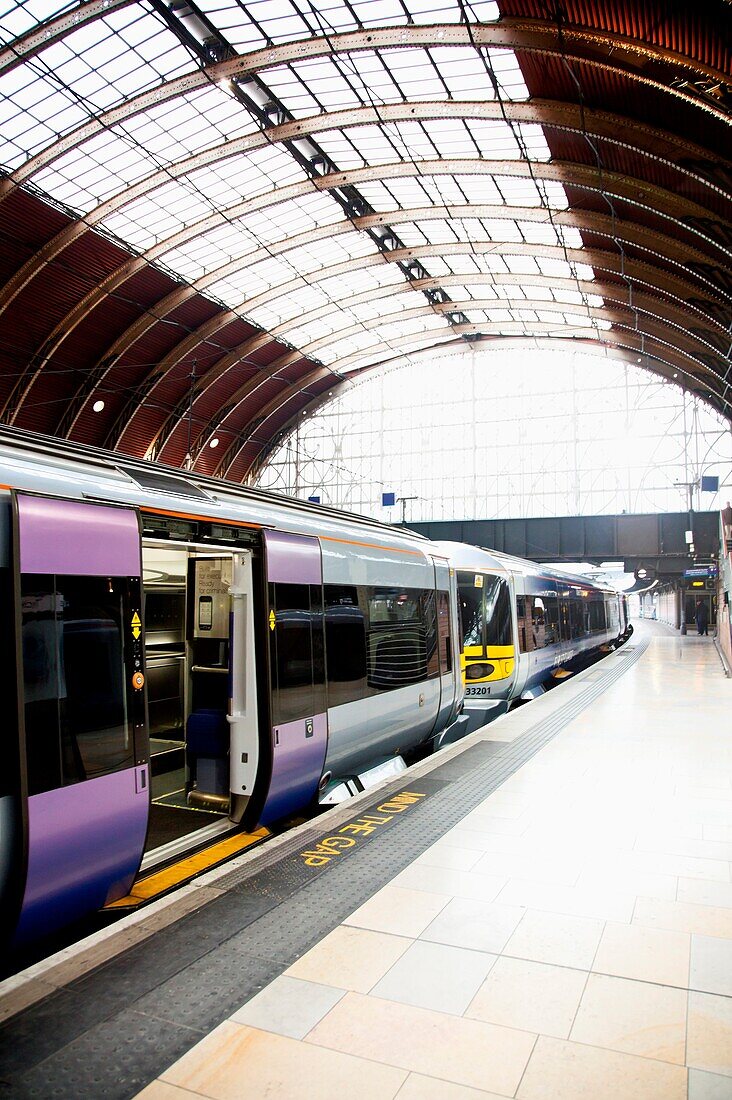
189	657
184	657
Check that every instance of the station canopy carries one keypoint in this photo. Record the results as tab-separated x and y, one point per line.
215	213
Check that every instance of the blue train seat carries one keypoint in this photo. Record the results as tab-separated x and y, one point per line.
207	747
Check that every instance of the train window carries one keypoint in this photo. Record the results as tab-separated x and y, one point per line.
471	609
576	616
526	642
443	631
613	615
429	618
296	650
400	621
381	638
345	644
564	623
75	678
497	612
597	613
551	617
538	622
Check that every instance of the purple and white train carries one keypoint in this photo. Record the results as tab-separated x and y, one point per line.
183	657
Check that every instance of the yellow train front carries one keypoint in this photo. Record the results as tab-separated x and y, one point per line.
488	658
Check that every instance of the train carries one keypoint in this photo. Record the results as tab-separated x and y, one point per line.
525	626
183	657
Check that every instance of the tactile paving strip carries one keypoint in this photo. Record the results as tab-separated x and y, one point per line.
114	1030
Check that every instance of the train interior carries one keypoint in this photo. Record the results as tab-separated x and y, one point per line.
187	649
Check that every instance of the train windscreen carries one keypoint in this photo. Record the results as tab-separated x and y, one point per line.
485	610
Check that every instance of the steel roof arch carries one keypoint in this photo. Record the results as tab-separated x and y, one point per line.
653	210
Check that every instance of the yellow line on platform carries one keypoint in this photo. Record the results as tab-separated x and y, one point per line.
145	889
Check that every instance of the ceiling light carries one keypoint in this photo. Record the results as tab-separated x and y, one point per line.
98	406
214	442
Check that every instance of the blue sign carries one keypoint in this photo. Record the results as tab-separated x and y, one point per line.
388	500
698	571
314	500
710	484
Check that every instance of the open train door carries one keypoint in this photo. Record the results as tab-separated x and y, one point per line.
81	705
243	716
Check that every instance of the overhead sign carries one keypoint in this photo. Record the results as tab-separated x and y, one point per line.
701	571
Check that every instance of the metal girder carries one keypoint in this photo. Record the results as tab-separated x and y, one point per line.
634	190
537	112
574	255
630	339
616	293
143	324
458	349
96	376
675	309
620	54
667	286
656	200
684	359
625	348
311	350
649	198
631	56
665	248
635	60
631	233
605	125
53	30
272	406
674	285
228	361
517	112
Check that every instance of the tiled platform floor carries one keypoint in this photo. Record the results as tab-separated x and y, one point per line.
570	938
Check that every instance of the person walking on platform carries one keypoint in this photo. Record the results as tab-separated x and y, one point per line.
702	618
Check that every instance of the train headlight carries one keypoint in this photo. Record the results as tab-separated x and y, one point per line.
478	672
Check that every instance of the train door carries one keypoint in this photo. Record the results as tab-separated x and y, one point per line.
81	710
294	747
202	691
446	655
524	638
243	714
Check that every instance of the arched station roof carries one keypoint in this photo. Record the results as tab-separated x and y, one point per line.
215	212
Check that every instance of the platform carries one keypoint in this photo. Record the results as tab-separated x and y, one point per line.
543	911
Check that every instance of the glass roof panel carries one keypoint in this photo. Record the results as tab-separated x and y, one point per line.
199	222
92	68
17	17
363	280
498	140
